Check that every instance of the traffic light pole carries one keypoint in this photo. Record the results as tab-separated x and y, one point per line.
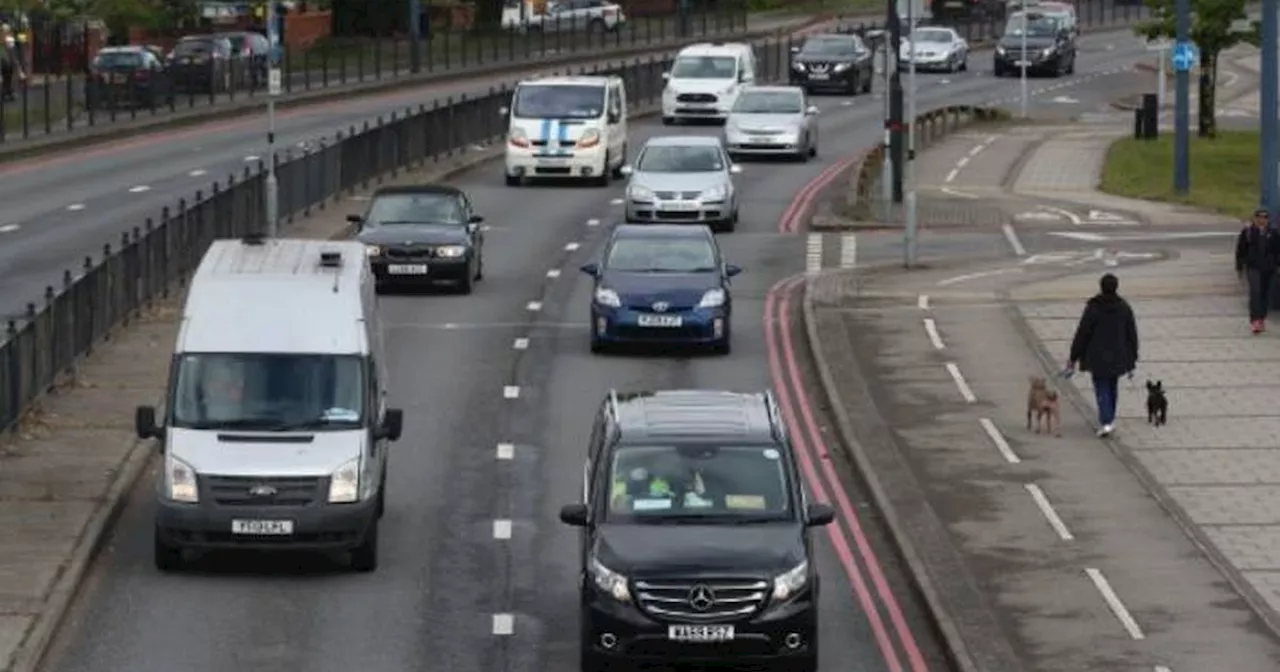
273	92
1267	167
1182	106
897	153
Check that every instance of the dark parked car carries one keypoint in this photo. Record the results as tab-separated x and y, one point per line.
1051	48
422	234
202	64
833	62
127	77
697	539
252	54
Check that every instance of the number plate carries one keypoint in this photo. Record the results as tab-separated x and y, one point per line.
819	76
679	206
700	633
262	527
554	163
1021	63
407	269
659	320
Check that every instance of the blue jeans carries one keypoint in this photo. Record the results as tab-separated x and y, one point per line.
1106	390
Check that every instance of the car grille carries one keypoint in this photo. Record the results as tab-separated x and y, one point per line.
417	252
696	98
291	491
674	195
817	66
733	599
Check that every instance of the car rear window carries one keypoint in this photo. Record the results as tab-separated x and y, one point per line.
190	47
118	59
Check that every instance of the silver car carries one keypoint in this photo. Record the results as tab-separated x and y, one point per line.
683	178
772	120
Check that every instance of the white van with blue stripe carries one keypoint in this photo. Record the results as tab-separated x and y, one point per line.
567	127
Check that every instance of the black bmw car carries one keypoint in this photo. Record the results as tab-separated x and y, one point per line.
1050	48
422	235
833	62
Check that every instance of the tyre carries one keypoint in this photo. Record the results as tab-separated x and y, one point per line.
513	180
466	283
364	558
617	172
382	493
602	180
964	64
668	121
723	347
1071	66
167	558
866	84
813	151
597	345
855	85
480	267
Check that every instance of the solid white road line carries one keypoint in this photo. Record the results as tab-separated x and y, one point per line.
504	624
570	247
813	254
506	451
251	158
931	328
511	392
139	189
1046	508
922	302
9	228
975	276
1012	236
198	172
848	250
1113	601
1006	451
521	344
593	222
534	306
75	207
502	529
553	273
965	392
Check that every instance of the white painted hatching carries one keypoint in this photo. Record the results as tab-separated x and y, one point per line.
511	392
506	451
504	624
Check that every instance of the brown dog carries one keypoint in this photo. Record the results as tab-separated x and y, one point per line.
1042	407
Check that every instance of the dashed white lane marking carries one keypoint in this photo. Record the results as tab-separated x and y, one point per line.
593	222
993	432
534	306
964	161
1012	236
553	273
9	228
848	250
501	529
1055	521
961	384
616	201
1113	601
974	276
923	302
251	158
198	172
570	247
506	451
139	189
511	392
931	328
951	176
521	344
1162	668
813	254
75	207
504	624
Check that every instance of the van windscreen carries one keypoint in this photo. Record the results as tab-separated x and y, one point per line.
268	392
558	101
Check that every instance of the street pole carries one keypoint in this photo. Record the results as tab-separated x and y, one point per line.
273	92
886	165
1161	95
1022	105
1182	107
415	36
909	247
895	102
1268	100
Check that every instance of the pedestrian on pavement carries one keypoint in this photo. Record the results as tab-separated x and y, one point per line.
1106	345
1257	252
10	65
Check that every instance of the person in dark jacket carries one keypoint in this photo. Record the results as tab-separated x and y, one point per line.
1106	345
1257	252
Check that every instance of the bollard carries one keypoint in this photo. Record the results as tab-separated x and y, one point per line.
1150	116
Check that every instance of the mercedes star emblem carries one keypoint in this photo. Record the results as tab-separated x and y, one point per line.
701	597
661	307
263	491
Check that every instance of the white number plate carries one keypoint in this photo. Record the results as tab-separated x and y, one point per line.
262	527
659	320
679	206
553	163
819	75
407	269
700	633
1021	63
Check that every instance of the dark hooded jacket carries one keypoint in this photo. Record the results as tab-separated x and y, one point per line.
1106	341
1258	249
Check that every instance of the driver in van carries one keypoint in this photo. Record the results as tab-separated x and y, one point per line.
667	477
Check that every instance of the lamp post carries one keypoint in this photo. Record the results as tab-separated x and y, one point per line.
273	92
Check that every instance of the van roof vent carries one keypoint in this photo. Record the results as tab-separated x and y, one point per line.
255	238
331	259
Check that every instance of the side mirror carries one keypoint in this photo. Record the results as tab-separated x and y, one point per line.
666	76
504	111
735	169
795	50
472	227
475	219
592	270
626	170
819	515
144	422
355	219
392	425
731	270
574	514
812	110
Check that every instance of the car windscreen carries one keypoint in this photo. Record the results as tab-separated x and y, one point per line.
423	208
932	36
702	484
1036	26
682	254
558	101
194	47
769	102
705	67
680	159
118	59
268	391
830	45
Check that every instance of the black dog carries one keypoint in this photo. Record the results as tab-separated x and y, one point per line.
1157	403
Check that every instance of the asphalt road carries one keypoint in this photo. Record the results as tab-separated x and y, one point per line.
444	575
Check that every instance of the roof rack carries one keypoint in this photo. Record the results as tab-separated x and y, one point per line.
613	402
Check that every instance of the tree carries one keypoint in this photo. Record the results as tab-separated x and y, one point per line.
1216	25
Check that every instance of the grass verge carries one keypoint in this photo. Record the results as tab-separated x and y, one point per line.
1224	171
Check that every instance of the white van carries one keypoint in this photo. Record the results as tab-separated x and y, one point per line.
705	80
567	127
275	427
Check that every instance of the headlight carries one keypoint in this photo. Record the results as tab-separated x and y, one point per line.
716	193
451	251
790	582
1000	51
608	297
1047	52
728	90
714	298
841	67
517	138
638	193
372	250
798	67
609	581
180	481
590	138
344	483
